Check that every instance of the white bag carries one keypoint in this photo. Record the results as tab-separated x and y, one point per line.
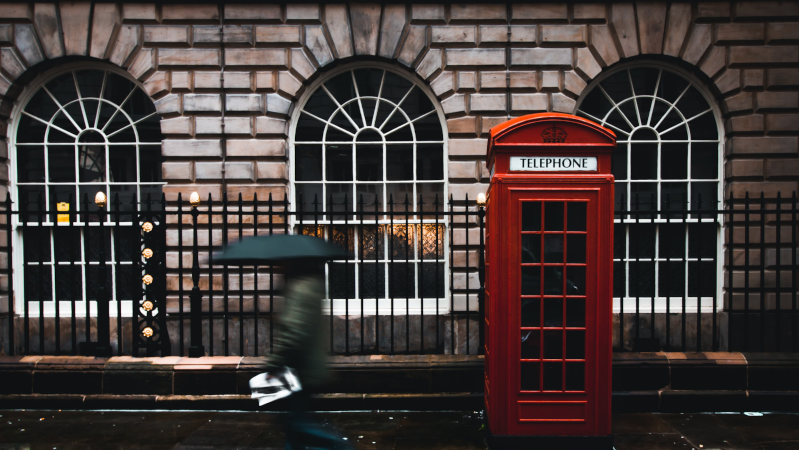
282	383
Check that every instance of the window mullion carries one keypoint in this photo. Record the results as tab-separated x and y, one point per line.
396	107
61	109
80	100
634	98
341	108
54	288
118	109
358	98
50	124
100	100
379	96
654	99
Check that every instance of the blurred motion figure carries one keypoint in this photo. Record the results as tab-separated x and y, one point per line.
300	345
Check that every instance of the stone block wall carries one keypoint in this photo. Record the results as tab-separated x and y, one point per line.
227	79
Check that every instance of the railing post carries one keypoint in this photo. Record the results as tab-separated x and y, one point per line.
10	298
196	349
481	294
103	316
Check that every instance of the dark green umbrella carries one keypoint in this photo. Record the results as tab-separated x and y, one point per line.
277	249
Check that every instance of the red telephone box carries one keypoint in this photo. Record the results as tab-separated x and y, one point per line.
549	266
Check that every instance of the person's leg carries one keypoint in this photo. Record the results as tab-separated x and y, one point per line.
303	432
296	420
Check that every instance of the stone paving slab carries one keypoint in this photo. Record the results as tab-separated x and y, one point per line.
398	430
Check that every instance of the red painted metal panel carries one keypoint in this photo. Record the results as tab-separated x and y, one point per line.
550	398
535	411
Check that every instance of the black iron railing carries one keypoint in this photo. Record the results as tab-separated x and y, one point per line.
698	278
686	278
412	281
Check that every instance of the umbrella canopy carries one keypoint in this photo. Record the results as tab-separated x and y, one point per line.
279	248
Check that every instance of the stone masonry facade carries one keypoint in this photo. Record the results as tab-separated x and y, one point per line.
484	62
226	79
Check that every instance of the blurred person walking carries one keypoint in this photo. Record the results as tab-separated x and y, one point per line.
300	345
299	342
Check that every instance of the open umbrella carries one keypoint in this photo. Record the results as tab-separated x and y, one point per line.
279	248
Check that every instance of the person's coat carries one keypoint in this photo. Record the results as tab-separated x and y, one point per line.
299	338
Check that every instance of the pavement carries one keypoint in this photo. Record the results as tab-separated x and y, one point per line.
397	430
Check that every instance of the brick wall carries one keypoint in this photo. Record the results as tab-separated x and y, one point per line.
484	62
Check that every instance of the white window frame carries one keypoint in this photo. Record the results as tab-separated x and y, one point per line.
66	306
384	305
644	304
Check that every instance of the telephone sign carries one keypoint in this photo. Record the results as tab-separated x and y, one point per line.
553	163
549	261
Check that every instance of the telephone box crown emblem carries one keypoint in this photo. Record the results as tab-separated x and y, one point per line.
554	135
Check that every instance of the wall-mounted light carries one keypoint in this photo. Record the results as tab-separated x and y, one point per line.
481	199
147	279
100	199
194	199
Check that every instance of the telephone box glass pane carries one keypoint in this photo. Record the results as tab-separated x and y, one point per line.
576	216
531	281
575	280
531	249
576	248
553	248
531	216
575	312
553	280
553	344
553	312
575	344
531	344
531	312
553	376
530	376
553	216
575	376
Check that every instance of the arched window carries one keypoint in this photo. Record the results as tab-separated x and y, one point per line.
667	168
81	131
370	133
84	131
368	151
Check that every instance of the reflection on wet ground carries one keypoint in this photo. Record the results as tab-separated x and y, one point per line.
369	430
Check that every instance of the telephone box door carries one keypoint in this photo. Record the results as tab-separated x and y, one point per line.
554	373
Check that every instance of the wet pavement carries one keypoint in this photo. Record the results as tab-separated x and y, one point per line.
369	430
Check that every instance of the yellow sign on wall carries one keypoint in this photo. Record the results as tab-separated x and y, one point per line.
62	207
